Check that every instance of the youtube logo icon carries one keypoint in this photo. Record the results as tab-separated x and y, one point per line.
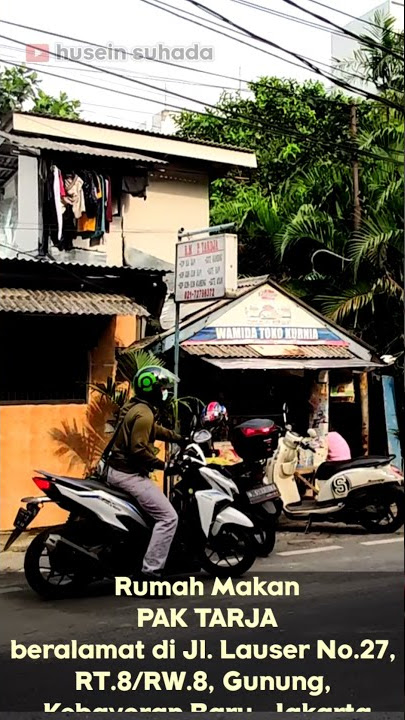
37	53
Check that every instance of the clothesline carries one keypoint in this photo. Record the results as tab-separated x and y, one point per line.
80	203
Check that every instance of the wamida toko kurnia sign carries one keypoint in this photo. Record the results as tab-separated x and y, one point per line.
207	268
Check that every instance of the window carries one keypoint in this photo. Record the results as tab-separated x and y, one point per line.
46	359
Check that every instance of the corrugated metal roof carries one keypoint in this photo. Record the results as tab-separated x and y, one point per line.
68	263
137	131
219	351
67	302
250	351
290	364
58	146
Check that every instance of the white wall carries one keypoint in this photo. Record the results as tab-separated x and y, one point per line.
174	200
8	217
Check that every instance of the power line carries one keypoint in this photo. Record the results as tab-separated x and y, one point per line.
314	68
149	59
354	17
170	9
92	67
261	8
160	5
145	76
286	16
276	130
177	65
363	40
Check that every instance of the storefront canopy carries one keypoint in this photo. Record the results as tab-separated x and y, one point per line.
256	364
266	328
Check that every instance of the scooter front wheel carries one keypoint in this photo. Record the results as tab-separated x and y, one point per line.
385	513
231	553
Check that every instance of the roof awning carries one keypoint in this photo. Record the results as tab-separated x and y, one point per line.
34	143
287	364
67	302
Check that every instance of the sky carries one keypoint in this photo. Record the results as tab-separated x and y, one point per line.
139	24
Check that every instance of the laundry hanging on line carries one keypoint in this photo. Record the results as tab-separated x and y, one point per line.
77	202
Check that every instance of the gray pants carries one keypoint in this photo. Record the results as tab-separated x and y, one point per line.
154	503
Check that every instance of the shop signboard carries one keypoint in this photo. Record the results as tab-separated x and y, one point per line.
267	317
207	268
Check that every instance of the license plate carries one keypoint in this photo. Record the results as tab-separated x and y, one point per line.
24	517
262	493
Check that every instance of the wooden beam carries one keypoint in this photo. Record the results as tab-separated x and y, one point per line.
365	418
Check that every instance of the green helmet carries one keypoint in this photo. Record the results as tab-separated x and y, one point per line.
154	384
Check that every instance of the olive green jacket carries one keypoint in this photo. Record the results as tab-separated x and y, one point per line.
133	450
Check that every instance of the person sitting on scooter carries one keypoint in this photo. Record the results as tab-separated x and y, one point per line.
338	449
134	456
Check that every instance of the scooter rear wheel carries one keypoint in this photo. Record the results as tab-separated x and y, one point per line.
45	576
386	512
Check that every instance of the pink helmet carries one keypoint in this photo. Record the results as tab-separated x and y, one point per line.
214	412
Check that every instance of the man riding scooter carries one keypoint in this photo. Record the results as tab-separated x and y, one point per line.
133	457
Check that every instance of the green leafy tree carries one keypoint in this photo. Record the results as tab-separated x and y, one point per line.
56	106
19	87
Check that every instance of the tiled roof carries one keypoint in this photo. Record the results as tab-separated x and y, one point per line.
249	351
67	302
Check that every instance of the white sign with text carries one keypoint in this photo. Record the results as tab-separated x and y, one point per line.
207	268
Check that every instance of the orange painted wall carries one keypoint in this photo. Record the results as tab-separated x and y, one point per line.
25	441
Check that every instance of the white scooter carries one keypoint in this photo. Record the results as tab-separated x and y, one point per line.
365	490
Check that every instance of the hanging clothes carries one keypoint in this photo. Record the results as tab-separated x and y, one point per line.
62	185
51	223
88	226
89	192
74	194
135	185
108	212
58	202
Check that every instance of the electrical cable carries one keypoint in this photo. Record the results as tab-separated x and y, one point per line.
92	67
315	69
149	59
171	9
365	40
353	17
277	131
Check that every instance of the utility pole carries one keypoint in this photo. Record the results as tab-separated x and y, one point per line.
356	182
363	384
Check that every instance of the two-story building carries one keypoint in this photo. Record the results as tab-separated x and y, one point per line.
89	216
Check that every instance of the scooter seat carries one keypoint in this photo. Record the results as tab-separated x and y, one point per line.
88	484
327	469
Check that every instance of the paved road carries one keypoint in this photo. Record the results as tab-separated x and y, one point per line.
351	588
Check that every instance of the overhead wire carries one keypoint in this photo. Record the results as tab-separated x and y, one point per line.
276	130
365	39
145	57
170	9
364	21
336	81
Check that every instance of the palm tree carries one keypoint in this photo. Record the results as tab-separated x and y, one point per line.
83	445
